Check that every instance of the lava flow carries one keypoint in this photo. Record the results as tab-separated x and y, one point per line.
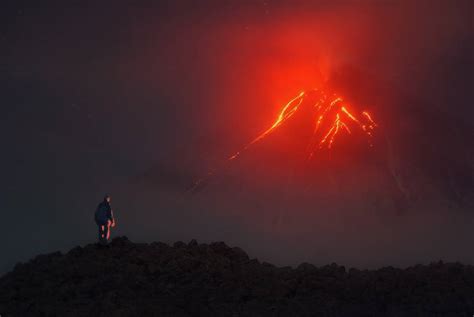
332	117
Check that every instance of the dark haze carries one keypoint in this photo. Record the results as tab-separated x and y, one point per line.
139	100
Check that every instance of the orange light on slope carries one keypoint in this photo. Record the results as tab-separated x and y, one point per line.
285	114
324	109
288	110
365	114
323	106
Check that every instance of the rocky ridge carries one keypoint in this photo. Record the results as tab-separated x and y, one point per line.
134	279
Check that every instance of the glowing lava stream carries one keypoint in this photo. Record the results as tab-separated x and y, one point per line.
332	118
330	112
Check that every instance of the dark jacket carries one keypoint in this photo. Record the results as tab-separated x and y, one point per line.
103	213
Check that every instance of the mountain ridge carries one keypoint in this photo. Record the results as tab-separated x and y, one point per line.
156	279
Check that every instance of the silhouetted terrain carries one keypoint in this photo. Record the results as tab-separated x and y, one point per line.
132	279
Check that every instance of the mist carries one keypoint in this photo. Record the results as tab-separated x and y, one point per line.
141	100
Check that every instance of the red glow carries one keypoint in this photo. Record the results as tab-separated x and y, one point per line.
288	110
332	117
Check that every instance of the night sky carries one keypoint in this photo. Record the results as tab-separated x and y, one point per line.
140	100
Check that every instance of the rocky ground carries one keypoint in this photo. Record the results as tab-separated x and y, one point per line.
131	279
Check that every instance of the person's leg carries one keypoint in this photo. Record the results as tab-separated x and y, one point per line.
106	233
108	230
100	233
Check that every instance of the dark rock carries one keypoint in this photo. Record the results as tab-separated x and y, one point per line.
128	279
306	267
77	251
179	244
120	242
220	248
192	243
239	255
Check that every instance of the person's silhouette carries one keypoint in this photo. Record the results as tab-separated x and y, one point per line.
104	218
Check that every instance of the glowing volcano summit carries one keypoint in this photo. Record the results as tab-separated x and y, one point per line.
332	116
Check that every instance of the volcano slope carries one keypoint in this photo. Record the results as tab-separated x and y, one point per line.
131	279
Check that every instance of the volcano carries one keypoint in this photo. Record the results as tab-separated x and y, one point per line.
323	143
327	195
330	116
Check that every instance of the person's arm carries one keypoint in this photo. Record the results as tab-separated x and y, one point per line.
112	219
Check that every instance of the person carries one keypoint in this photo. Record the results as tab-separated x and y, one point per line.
104	218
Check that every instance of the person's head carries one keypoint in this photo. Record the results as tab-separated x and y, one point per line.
107	198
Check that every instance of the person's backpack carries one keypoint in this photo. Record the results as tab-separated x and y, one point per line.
101	214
